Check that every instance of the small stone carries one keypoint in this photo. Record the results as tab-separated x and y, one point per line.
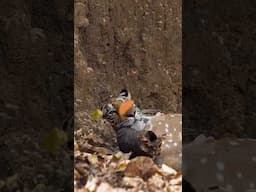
239	175
252	185
168	169
220	165
203	160
219	177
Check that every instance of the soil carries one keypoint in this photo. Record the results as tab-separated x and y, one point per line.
132	44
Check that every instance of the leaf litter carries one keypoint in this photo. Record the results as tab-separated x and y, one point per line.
100	166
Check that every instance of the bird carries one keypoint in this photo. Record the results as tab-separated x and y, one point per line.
130	127
131	115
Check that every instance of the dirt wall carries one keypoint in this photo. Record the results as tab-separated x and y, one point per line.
133	44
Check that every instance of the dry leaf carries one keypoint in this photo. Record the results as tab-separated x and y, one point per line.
155	182
168	170
118	155
93	159
76	147
105	187
132	181
122	165
92	184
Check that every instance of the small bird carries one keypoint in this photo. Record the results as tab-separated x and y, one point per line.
130	127
129	112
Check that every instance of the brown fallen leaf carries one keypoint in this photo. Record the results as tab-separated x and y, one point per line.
77	175
76	147
155	183
86	147
176	181
143	167
81	167
105	187
168	170
132	181
92	184
122	165
93	159
118	155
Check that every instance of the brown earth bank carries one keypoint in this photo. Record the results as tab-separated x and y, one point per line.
132	44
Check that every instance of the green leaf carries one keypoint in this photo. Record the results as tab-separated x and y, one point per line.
97	114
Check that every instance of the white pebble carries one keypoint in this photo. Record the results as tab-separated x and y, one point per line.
252	185
239	175
220	165
203	160
219	177
229	187
234	143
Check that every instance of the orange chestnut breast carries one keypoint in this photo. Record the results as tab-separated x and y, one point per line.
124	107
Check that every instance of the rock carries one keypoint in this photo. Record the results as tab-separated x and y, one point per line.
143	167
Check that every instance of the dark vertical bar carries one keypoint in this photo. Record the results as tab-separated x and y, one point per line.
218	57
36	72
